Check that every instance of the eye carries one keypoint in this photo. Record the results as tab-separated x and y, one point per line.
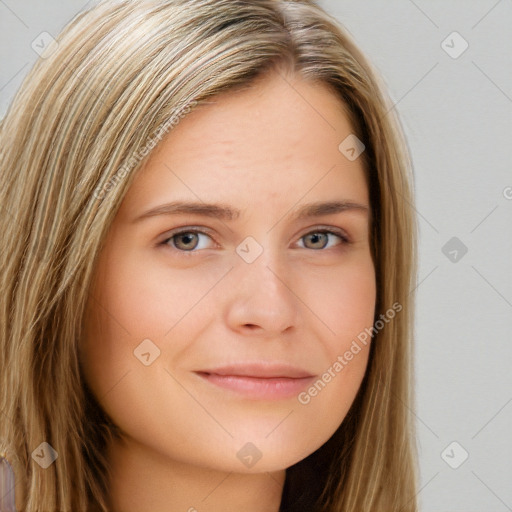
190	240
187	240
320	239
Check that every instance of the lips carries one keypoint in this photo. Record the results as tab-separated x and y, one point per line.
260	381
261	371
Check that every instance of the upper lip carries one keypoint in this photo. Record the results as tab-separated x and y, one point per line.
260	370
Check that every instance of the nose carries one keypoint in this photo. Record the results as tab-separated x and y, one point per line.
260	299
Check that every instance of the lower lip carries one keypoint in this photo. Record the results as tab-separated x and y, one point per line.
263	389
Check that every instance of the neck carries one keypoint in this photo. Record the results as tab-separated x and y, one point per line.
143	479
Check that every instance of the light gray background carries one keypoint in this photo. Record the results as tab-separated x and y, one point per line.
457	114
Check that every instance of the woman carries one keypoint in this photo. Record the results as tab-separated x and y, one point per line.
177	333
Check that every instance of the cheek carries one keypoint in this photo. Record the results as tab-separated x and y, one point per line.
344	300
149	297
117	319
130	302
105	349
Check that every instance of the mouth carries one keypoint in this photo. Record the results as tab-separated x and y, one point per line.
259	381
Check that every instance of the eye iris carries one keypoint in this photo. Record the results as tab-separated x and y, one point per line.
188	238
315	237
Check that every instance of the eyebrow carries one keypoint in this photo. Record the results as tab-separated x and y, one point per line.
226	213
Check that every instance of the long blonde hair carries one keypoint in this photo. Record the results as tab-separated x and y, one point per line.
117	74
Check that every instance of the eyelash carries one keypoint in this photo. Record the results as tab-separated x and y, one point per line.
180	231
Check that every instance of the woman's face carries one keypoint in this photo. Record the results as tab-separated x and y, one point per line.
211	326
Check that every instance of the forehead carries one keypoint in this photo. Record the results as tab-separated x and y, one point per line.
268	145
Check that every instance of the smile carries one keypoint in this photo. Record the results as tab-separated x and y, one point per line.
257	387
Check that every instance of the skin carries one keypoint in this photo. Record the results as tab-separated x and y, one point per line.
266	151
